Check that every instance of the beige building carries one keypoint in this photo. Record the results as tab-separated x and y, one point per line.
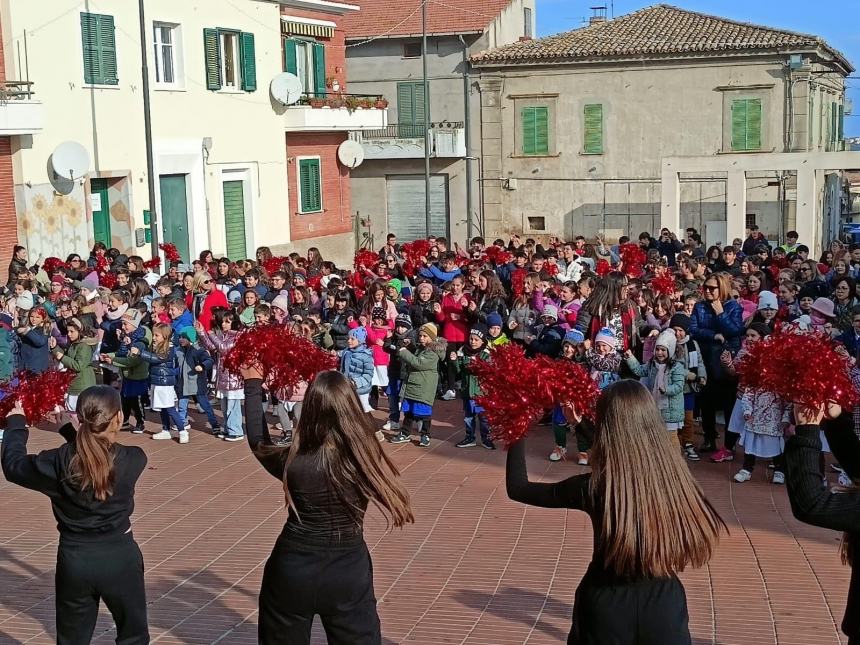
575	126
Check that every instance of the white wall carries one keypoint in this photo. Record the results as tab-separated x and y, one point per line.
247	134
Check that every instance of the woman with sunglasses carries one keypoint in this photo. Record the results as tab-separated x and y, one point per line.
717	325
205	295
811	278
75	267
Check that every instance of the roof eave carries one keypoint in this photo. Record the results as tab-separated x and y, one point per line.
418	34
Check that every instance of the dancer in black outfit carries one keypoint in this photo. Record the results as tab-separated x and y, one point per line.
814	504
320	564
650	521
90	481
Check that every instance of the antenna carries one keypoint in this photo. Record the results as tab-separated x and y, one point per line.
350	153
286	88
598	14
70	160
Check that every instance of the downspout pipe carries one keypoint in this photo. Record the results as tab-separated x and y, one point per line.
467	133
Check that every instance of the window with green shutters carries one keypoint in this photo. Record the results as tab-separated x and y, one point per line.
411	113
593	129
228	54
534	126
98	40
310	186
234	218
306	59
746	124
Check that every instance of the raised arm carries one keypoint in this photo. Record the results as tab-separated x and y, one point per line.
36	472
568	493
257	431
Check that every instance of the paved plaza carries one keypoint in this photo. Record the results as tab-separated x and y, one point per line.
475	568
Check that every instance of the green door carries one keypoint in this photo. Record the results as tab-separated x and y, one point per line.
174	212
101	211
234	219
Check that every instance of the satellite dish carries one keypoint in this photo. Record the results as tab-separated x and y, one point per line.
286	88
350	153
70	160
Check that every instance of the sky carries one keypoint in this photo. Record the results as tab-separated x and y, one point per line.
836	22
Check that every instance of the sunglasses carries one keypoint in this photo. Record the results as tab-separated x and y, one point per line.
804	270
711	287
207	282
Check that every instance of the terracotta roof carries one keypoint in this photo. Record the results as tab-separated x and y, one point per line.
403	17
658	30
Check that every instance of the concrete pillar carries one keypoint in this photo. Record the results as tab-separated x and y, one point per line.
808	206
670	200
736	205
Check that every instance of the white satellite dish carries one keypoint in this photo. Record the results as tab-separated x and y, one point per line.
286	88
70	160
350	153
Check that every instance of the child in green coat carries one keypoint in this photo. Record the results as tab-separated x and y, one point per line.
473	414
78	358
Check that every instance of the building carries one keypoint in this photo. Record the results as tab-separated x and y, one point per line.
575	126
384	56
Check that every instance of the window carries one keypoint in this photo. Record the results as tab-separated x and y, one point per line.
411	113
750	220
528	32
412	50
593	129
98	41
306	59
230	60
746	124
310	185
535	130
167	45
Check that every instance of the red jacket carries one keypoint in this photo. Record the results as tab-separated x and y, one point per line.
455	327
214	298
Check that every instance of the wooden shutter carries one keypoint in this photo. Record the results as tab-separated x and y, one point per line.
90	45
290	63
420	106
249	62
746	124
319	69
527	117
310	185
753	124
840	123
534	121
593	140
107	50
98	41
212	58
234	218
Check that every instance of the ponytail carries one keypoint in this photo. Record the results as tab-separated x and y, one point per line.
92	464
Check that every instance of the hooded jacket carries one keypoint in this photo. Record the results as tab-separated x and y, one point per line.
133	367
357	365
221	343
421	371
78	358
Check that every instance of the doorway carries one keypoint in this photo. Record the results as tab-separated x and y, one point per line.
101	211
174	212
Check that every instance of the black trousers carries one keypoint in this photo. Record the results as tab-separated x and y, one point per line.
718	395
335	585
108	570
131	407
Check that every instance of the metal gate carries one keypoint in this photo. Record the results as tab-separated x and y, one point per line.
406	212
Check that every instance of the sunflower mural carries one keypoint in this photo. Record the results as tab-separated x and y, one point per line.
53	224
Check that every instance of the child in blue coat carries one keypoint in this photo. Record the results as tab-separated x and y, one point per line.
163	370
356	363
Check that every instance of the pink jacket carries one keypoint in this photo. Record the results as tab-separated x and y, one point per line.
221	343
374	334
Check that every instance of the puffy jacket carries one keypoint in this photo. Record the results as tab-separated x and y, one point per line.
455	327
78	358
357	365
524	317
133	367
486	306
421	371
185	320
676	377
392	346
221	343
705	324
380	356
339	329
35	355
548	341
110	325
163	370
203	303
471	388
190	382
421	313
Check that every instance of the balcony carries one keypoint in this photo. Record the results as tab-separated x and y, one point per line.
404	141
20	113
337	112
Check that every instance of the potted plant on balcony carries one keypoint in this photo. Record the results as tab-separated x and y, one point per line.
316	101
381	103
366	103
335	102
352	103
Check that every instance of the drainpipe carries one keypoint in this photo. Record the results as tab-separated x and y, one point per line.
147	131
467	131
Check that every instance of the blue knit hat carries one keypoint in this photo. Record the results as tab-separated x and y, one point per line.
494	319
360	334
574	337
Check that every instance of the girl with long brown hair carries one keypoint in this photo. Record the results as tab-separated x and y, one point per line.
650	519
90	481
320	564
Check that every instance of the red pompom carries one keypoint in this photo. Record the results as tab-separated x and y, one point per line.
102	264
518	281
633	259
512	407
799	367
365	259
274	264
108	280
314	283
550	269
284	358
497	255
603	268
152	264
170	252
39	394
414	254
663	284
50	265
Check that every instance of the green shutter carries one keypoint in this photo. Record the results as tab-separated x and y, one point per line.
310	185
840	123
593	139
746	124
234	218
290	64
528	129
319	69
535	130
98	40
212	58
420	107
753	124
249	62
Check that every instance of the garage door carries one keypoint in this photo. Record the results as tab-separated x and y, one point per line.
406	213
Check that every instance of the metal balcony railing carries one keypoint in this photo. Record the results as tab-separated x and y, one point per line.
16	91
341	100
409	130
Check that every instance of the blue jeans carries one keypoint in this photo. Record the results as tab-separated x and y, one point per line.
394	399
474	420
232	411
203	402
174	415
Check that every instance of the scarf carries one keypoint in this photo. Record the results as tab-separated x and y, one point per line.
659	384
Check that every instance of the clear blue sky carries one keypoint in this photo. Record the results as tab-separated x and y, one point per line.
837	22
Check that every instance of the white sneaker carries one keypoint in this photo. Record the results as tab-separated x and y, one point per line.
187	426
450	395
743	475
164	434
380	437
184	437
391	425
778	477
845	480
558	453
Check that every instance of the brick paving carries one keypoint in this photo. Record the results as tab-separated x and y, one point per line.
475	568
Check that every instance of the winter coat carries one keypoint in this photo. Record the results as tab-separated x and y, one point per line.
705	324
455	325
7	355
133	367
421	313
163	370
190	381
357	365
78	358
380	356
524	317
339	329
35	355
548	341
603	369
185	320
589	324
421	371
676	378
486	306
471	388
392	346
221	343
110	325
686	351
567	314
767	413
437	275
203	303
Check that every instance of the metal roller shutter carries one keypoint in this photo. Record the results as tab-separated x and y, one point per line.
406	206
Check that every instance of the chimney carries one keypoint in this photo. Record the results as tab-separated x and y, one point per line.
598	14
